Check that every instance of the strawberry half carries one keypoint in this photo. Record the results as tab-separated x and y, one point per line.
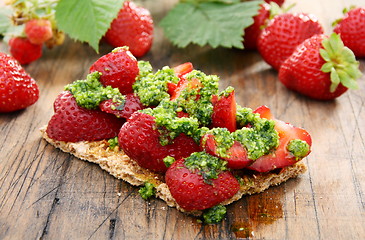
283	34
132	103
133	27
140	139
119	69
18	90
321	68
190	188
224	111
72	123
236	158
352	30
281	156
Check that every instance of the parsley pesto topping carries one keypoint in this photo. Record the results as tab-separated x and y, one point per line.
214	214
196	99
89	93
260	137
152	87
298	148
207	165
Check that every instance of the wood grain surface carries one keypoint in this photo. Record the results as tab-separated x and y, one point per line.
48	194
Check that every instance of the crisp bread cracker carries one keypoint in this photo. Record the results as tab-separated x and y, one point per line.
119	165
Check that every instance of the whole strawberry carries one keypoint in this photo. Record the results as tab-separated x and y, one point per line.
321	68
38	31
119	69
72	123
18	90
200	181
283	34
24	51
352	30
252	32
140	139
133	27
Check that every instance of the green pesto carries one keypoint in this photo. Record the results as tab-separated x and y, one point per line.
260	137
245	116
152	88
113	142
298	148
90	92
224	140
169	125
168	161
215	214
226	92
200	107
147	191
207	165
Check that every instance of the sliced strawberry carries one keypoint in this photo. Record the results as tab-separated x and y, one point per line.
140	139
183	84
264	112
190	190
132	103
224	112
236	155
183	69
72	123
281	157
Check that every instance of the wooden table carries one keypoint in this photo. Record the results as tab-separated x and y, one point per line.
48	194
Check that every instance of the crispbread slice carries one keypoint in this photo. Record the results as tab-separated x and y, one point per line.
122	167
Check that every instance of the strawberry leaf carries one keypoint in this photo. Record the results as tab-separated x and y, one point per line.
87	20
214	23
340	63
5	22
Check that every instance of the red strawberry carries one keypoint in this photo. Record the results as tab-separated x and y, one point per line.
192	192
183	83
18	90
140	139
183	69
38	30
224	112
352	30
180	71
72	123
252	32
278	2
237	154
264	112
24	51
133	27
283	34
132	104
119	69
282	157
321	68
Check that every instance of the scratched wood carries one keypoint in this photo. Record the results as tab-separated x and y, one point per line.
47	194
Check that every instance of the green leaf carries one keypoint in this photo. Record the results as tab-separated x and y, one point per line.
213	23
335	79
5	21
340	63
86	20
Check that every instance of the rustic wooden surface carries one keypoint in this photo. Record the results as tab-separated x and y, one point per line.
47	194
